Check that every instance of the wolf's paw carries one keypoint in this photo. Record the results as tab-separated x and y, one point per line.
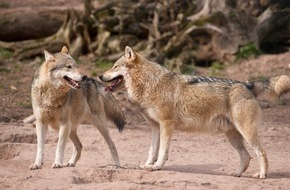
70	165
35	166
116	166
235	174
56	165
151	167
259	176
146	166
156	167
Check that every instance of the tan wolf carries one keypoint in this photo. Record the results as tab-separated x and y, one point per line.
170	101
61	98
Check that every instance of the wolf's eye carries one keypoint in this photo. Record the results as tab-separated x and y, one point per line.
69	66
116	66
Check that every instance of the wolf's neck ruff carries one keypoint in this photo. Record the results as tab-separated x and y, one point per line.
144	81
50	94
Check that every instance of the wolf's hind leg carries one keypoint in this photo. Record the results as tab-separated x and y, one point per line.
237	141
77	148
247	119
262	156
252	139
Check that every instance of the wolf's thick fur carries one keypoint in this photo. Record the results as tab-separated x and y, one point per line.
61	98
170	101
272	88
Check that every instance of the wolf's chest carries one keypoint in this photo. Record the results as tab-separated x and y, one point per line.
152	114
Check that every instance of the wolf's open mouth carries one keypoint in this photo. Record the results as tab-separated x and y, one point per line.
115	82
74	84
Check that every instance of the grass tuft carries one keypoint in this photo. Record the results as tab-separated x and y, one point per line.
5	53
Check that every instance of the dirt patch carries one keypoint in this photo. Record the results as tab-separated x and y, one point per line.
263	66
9	135
8	151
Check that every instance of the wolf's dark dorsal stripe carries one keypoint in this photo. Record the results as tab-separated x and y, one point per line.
199	79
208	79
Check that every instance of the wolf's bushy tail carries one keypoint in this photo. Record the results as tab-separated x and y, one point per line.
272	88
112	109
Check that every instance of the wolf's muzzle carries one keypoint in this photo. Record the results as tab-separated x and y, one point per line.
101	77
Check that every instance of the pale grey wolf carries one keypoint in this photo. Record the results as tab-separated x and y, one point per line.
170	101
61	98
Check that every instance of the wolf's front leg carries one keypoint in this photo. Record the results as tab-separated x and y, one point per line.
154	147
41	130
166	130
64	132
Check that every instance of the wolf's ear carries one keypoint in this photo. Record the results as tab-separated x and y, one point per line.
64	50
130	54
48	56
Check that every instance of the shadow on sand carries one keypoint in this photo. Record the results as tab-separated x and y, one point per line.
212	169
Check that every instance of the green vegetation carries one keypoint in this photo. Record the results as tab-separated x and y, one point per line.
187	69
258	78
5	53
248	51
217	19
25	104
216	68
4	5
94	73
4	70
103	65
282	102
199	22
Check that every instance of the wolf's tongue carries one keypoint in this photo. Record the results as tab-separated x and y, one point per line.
73	83
112	86
107	88
76	84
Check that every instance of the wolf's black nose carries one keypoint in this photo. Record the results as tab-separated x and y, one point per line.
84	78
101	77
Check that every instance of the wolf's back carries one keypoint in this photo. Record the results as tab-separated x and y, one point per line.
272	88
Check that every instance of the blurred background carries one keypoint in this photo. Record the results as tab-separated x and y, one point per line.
178	33
183	35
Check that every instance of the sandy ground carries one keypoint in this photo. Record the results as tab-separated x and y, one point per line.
196	161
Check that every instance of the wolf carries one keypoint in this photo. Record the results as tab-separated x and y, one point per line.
170	101
61	98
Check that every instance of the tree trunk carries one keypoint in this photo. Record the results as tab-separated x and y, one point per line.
69	34
29	24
